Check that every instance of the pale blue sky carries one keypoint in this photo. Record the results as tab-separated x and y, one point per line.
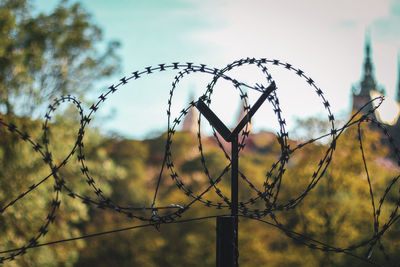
323	38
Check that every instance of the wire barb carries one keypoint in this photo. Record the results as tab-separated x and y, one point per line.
268	194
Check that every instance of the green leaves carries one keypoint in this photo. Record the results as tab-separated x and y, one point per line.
51	54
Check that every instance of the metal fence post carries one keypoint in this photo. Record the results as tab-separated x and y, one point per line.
227	226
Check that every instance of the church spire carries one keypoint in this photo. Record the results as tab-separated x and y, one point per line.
190	122
243	110
368	82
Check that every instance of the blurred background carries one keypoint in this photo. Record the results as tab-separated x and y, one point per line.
80	48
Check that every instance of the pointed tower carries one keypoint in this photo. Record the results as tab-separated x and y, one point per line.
368	82
190	122
242	113
361	95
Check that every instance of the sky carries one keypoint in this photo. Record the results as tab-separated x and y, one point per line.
323	38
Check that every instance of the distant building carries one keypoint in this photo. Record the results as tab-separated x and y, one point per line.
368	84
242	114
256	142
368	88
190	122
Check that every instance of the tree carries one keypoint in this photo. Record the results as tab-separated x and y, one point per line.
43	56
336	212
21	167
46	55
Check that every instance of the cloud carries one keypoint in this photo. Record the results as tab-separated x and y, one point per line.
256	26
325	38
387	28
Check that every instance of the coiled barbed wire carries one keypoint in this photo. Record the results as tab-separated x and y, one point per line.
268	194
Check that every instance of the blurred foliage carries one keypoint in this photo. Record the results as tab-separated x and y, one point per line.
43	55
22	167
337	211
48	55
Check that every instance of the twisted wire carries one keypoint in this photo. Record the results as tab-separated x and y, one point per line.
268	194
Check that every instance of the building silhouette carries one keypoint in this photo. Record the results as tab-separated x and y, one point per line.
190	122
368	88
363	92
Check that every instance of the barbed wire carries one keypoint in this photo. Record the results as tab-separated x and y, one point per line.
268	194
